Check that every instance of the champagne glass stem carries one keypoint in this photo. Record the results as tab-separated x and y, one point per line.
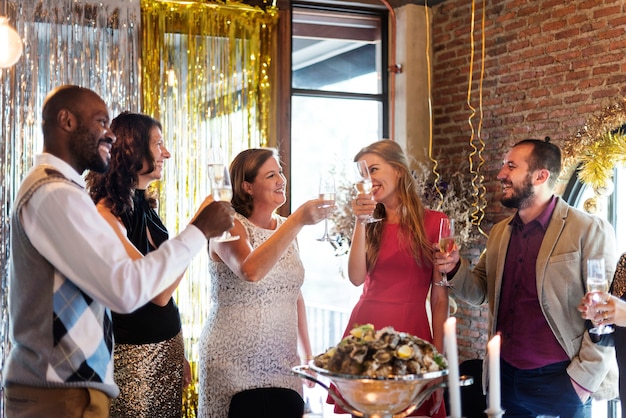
326	192
444	280
325	237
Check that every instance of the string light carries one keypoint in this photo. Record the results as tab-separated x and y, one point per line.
11	51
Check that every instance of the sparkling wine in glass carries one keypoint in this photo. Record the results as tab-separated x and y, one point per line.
327	192
363	185
216	173
216	166
222	190
598	285
446	244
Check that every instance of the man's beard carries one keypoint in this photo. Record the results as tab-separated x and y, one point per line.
521	197
84	147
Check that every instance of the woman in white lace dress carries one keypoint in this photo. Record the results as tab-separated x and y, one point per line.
257	316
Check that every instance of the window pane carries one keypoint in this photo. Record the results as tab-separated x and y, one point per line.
337	108
327	132
588	197
330	48
608	206
620	207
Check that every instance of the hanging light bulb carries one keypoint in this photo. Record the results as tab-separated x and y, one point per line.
11	42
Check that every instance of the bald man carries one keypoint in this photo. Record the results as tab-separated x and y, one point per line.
68	268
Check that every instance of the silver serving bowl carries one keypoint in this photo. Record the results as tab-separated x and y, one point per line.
366	396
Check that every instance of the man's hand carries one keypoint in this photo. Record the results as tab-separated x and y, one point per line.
214	218
445	262
582	393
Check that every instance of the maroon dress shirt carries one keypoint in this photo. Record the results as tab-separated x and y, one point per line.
527	341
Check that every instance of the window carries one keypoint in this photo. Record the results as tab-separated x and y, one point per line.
605	206
338	105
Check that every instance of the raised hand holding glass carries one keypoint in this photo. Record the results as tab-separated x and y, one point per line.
363	185
598	286
327	192
221	189
446	244
216	166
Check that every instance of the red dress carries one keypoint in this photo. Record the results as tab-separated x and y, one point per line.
394	292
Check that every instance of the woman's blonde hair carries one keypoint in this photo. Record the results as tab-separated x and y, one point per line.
411	208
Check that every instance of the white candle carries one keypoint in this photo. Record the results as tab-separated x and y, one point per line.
454	390
493	353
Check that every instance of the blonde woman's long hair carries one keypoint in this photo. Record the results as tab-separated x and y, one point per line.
411	207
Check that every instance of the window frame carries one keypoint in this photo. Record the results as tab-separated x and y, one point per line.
283	76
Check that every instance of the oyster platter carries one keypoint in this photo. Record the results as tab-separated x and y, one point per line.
379	373
381	354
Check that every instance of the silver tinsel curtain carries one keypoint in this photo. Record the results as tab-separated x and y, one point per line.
92	44
216	93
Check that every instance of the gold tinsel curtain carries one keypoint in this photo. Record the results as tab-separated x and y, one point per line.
205	69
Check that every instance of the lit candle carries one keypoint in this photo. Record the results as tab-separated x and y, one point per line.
493	353
454	390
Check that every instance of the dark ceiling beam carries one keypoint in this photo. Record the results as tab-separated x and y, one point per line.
348	3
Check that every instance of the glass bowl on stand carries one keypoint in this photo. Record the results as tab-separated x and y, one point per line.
377	397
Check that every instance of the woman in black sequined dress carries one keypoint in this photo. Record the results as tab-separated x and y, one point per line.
149	360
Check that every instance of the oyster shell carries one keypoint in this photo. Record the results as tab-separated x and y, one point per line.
382	353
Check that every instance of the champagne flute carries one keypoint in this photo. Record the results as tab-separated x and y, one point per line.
363	185
597	284
327	192
216	165
222	190
446	244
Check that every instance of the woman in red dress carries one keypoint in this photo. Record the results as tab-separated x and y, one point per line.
393	258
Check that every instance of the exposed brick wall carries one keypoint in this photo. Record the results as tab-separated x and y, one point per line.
549	66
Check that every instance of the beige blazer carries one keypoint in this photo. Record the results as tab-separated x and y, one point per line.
572	237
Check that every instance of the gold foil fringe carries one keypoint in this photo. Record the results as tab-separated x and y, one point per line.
206	77
598	146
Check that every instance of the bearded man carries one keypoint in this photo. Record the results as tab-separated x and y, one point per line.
532	275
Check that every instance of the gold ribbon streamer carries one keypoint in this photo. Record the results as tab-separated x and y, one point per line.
430	112
480	203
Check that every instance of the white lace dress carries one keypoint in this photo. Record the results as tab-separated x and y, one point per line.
250	337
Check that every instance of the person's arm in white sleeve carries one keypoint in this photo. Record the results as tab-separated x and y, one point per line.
64	226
